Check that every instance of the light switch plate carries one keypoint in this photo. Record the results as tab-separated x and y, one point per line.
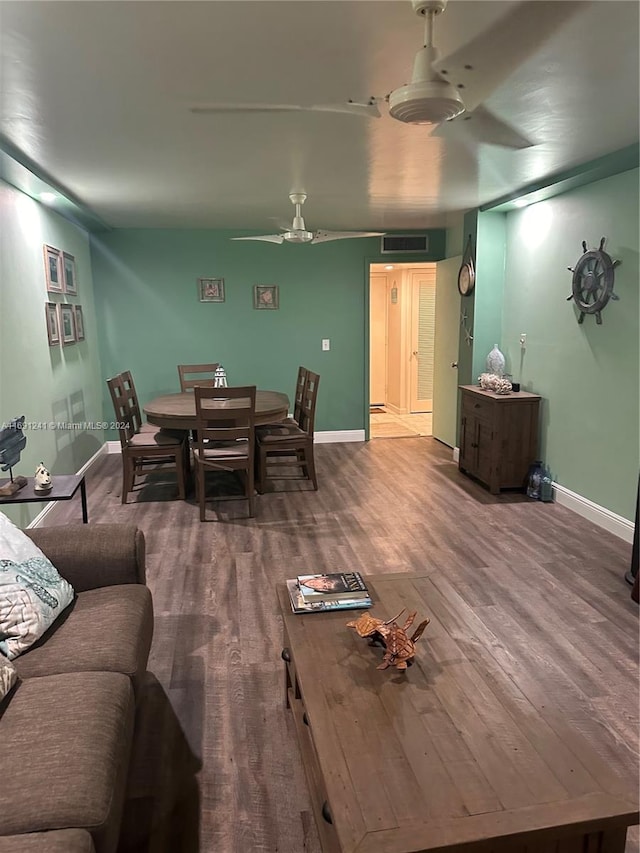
326	344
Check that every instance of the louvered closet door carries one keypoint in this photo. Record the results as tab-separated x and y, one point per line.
423	304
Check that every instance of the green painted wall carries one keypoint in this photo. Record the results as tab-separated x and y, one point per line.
151	319
588	375
59	384
489	289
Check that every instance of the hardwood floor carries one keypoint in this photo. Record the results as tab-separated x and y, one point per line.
543	583
383	424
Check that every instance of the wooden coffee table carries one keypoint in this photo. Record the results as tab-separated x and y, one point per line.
452	753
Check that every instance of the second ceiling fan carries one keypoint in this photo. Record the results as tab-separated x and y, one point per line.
297	231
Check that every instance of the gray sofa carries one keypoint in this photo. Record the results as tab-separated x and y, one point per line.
67	727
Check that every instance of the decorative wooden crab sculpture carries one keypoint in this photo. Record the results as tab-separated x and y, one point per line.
400	648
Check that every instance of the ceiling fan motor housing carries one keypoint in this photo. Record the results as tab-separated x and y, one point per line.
298	236
427	99
429	102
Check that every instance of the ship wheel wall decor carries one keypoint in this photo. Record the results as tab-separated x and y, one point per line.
592	284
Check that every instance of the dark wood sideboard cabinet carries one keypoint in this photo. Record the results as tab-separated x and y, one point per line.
498	436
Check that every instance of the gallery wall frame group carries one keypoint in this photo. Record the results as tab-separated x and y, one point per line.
65	323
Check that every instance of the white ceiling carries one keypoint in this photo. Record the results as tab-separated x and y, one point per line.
98	93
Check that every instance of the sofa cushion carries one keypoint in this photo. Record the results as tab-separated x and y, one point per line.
105	629
32	593
58	841
8	676
66	741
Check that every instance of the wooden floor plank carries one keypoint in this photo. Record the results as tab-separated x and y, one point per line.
387	506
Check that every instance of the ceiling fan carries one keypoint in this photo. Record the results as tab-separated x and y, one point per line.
441	91
297	231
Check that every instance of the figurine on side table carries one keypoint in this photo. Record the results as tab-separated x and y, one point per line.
42	480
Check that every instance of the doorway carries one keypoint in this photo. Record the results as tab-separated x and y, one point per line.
402	348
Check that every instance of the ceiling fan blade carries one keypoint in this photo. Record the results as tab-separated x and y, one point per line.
369	110
265	238
325	236
483	126
281	223
481	65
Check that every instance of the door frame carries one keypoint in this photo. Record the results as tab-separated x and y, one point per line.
421	258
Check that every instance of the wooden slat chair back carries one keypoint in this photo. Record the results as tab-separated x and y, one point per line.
192	375
289	447
142	449
292	421
307	417
301	383
225	438
129	391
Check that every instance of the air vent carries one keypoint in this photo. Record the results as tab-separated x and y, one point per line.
398	244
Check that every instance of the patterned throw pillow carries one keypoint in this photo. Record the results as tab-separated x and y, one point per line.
32	593
8	676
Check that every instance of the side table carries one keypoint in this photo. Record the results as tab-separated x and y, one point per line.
64	488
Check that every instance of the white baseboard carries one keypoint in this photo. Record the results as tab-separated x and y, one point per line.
113	447
338	435
598	515
37	521
456	454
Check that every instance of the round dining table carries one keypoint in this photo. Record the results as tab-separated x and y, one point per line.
178	411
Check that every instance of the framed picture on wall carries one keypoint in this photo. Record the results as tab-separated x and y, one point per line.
53	326
266	296
53	269
69	274
67	324
211	289
79	322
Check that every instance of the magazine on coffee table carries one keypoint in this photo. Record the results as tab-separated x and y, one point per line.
299	605
332	586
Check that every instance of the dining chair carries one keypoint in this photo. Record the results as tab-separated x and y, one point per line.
192	375
287	446
129	390
143	449
225	438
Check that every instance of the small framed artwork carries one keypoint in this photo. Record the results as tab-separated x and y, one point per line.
69	274
79	322
67	324
266	296
53	327
211	289
53	269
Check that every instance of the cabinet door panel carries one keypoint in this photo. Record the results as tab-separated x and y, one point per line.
486	457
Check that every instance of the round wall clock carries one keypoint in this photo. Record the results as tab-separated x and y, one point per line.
466	273
592	283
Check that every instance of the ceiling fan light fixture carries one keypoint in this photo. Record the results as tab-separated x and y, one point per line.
425	102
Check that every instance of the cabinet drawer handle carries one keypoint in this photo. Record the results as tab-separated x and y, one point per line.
476	405
473	445
326	814
285	654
